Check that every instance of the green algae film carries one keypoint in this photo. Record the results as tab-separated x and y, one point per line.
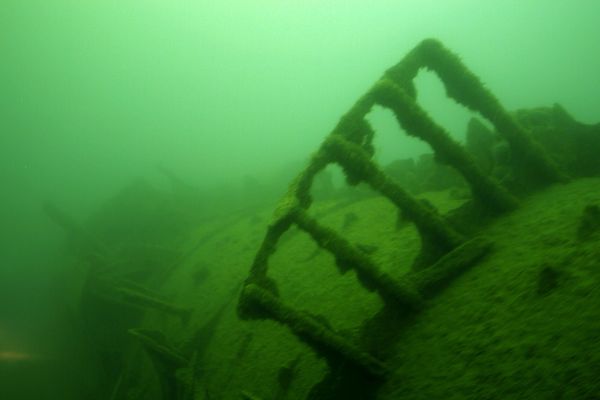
164	135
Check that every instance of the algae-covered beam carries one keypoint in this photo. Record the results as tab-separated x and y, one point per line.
354	127
321	338
166	361
430	281
348	256
416	122
297	195
437	234
260	265
131	295
156	344
464	86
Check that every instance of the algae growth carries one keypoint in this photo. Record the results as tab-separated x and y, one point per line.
460	298
469	271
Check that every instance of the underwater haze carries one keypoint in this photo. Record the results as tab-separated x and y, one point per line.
224	94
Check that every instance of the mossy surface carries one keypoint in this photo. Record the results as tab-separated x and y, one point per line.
490	334
493	335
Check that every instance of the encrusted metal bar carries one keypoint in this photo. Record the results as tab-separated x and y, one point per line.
464	87
416	122
357	164
349	257
430	281
320	337
133	295
166	360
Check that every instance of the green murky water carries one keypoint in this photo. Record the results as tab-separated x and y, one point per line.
144	146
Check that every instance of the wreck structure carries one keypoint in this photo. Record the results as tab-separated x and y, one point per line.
447	246
143	237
